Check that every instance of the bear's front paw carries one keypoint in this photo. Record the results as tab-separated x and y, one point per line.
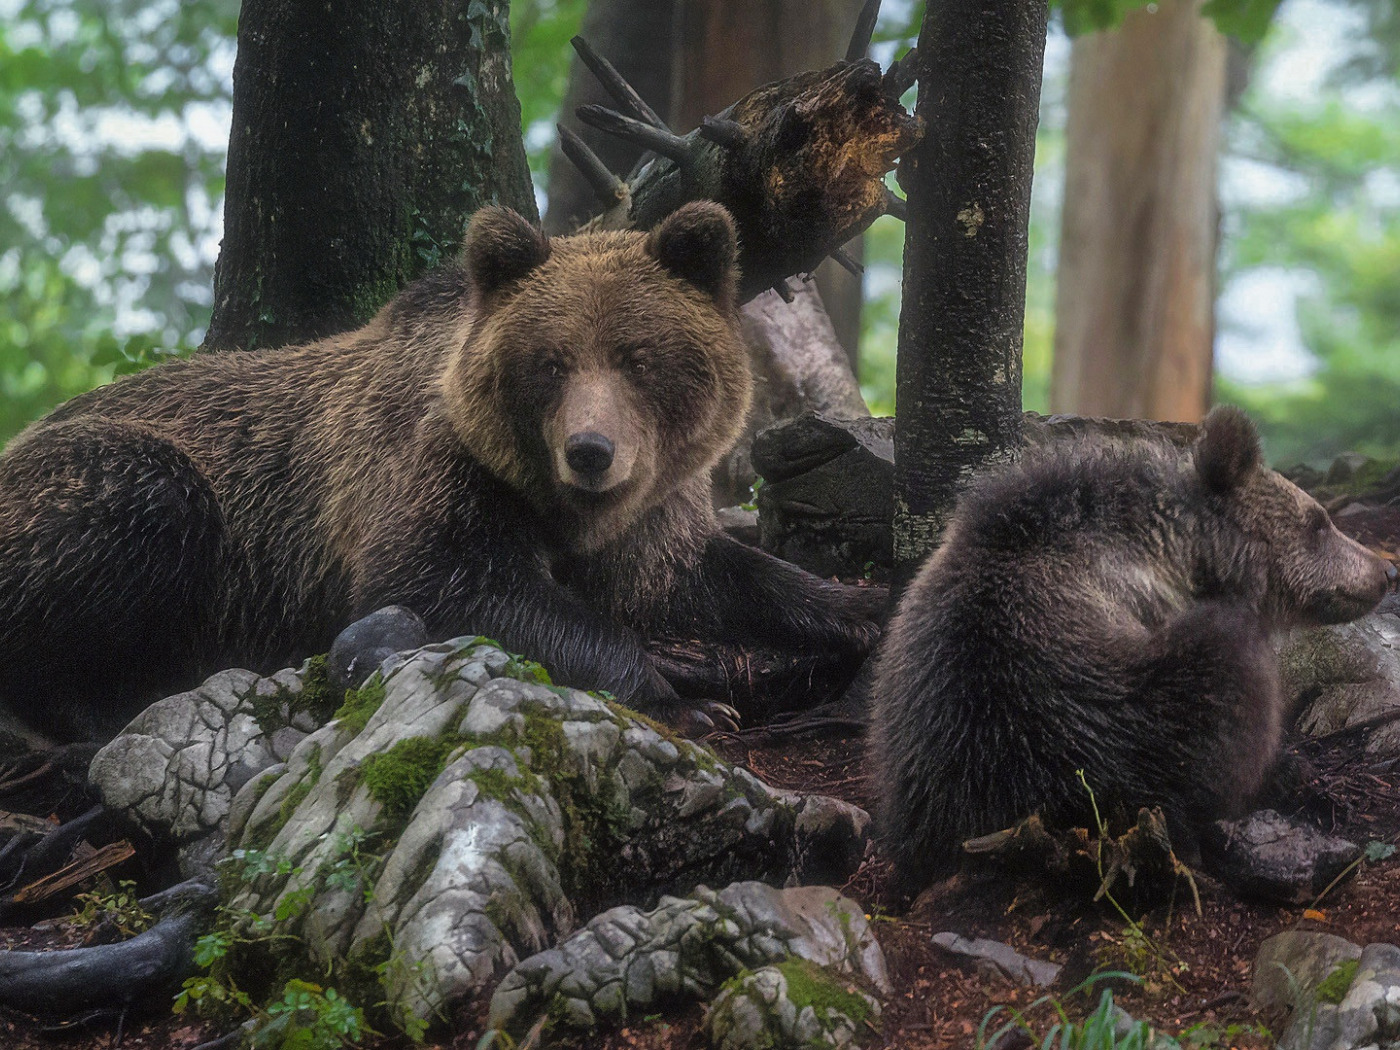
862	615
658	699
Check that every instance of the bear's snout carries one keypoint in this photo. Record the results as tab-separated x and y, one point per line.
594	433
588	453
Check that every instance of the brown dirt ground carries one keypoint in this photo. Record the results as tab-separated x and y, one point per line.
1197	984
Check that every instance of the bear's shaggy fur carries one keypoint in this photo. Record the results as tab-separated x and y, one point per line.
518	445
1105	609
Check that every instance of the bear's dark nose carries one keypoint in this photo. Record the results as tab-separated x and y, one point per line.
589	452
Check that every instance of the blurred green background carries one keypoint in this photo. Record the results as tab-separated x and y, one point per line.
113	131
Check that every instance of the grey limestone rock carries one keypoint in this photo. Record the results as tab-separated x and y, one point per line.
176	767
1340	999
1349	675
472	816
1290	967
626	961
1001	958
1267	855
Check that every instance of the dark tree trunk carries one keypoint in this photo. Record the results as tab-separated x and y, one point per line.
363	138
958	392
637	37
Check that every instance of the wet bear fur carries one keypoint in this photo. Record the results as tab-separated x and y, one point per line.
517	446
1104	608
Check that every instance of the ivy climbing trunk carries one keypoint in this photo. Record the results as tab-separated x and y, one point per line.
958	378
364	136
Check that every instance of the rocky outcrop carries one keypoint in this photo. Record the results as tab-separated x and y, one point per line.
1324	993
459	813
628	961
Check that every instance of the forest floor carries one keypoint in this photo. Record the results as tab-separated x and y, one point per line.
1195	968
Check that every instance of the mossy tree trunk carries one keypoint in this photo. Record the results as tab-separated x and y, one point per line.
364	136
958	379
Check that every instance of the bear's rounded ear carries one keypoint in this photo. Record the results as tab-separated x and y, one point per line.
698	243
1228	449
502	247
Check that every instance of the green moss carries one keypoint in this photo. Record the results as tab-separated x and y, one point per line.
810	985
523	670
360	704
500	785
1334	986
316	696
399	777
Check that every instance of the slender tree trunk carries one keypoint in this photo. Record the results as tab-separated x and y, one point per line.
1134	307
958	379
638	38
363	139
725	50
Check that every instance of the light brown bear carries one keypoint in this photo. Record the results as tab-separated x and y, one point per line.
518	446
1105	609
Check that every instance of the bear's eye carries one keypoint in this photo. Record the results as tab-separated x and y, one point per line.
639	368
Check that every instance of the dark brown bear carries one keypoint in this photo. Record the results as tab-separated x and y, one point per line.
516	446
1105	609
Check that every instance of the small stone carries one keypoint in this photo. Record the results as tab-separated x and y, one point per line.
1007	961
1268	856
358	650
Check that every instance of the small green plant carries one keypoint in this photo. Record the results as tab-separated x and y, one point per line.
119	911
1377	851
1139	952
1099	1031
752	504
309	1017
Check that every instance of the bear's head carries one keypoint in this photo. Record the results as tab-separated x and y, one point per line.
602	370
1303	569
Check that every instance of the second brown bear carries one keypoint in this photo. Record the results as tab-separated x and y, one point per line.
1105	609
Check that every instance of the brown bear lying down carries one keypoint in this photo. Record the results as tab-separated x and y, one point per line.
518	446
1106	610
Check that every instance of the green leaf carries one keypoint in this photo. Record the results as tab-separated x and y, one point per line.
1379	851
1245	20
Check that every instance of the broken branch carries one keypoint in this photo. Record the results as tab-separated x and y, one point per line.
613	83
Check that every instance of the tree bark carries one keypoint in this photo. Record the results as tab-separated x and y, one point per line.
726	50
958	377
1135	300
362	140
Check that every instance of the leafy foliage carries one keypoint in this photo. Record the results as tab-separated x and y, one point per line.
1338	223
540	32
111	159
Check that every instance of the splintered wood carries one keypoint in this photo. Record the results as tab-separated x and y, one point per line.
800	163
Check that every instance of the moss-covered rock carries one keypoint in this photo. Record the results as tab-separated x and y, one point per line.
500	807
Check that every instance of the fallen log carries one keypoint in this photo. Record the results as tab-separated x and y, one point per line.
104	977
